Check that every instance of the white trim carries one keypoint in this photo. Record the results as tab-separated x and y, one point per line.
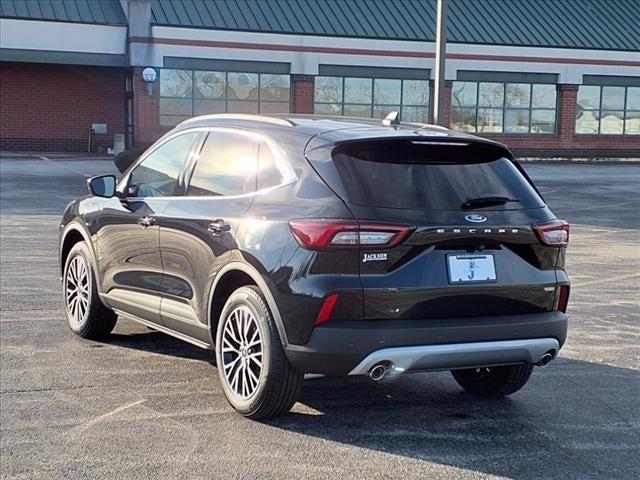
108	39
306	63
63	37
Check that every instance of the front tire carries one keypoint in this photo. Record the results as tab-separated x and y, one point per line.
86	315
493	381
256	376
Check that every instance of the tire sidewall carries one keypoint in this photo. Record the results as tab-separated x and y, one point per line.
249	298
79	249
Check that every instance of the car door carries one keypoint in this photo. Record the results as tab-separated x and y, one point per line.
128	247
197	230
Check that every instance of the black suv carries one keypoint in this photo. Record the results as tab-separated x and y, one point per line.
294	245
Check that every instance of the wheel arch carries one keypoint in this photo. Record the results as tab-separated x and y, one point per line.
73	233
231	277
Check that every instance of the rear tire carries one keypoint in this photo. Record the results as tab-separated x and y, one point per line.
493	381
257	378
86	315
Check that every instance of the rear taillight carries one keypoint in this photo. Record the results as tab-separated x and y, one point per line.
323	234
554	233
562	298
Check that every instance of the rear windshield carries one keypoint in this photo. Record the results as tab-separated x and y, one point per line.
423	175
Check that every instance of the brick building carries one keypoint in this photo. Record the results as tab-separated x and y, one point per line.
545	77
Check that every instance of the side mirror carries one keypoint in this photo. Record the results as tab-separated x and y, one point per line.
102	186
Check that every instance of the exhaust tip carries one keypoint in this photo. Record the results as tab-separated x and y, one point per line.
379	370
546	358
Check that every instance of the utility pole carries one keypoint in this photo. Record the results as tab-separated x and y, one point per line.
441	53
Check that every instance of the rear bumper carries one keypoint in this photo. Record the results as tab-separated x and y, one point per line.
339	348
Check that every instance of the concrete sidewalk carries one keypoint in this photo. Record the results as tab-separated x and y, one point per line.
567	160
5	154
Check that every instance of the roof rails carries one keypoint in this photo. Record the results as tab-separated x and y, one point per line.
392	119
240	116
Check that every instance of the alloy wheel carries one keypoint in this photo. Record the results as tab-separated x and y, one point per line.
242	352
77	291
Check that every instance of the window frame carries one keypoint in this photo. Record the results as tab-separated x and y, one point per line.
123	184
599	111
504	108
286	170
193	98
196	158
372	105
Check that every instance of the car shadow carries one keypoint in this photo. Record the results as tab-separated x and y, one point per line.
157	342
564	420
575	417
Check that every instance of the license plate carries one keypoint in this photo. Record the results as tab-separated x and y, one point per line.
471	268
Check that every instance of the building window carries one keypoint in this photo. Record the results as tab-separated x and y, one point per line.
185	93
372	97
501	107
608	110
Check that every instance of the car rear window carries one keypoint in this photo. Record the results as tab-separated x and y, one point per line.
429	175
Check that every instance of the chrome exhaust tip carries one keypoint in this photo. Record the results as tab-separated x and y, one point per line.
546	359
379	370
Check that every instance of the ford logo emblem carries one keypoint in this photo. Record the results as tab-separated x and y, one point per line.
475	218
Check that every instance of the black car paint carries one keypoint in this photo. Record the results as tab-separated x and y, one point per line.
167	273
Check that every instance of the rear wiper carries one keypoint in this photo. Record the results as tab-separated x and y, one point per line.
487	201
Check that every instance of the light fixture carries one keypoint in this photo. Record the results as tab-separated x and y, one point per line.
149	76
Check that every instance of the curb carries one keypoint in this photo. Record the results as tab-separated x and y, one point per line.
583	161
53	156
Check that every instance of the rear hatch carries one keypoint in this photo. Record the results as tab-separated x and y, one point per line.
473	250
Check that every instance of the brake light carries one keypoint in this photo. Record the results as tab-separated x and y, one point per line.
326	309
562	298
322	234
554	233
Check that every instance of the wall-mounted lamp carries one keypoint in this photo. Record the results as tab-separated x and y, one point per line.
149	75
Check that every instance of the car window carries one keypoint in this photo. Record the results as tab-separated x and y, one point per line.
226	166
157	175
269	174
427	176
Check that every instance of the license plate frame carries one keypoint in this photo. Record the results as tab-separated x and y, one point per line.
471	268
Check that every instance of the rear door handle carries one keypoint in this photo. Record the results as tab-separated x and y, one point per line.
219	226
146	221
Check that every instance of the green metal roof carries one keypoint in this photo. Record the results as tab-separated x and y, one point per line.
589	24
107	12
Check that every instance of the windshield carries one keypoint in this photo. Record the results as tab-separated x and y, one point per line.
413	175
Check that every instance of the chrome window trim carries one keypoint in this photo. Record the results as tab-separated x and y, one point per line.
239	116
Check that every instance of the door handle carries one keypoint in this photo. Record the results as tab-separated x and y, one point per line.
219	226
146	221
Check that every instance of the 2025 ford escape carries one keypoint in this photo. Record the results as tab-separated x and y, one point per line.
293	245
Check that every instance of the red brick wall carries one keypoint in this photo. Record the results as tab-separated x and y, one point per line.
302	93
50	107
565	143
448	85
146	111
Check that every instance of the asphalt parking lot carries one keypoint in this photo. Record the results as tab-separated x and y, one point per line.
144	405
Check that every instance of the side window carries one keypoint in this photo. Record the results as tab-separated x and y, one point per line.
269	174
227	165
157	175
